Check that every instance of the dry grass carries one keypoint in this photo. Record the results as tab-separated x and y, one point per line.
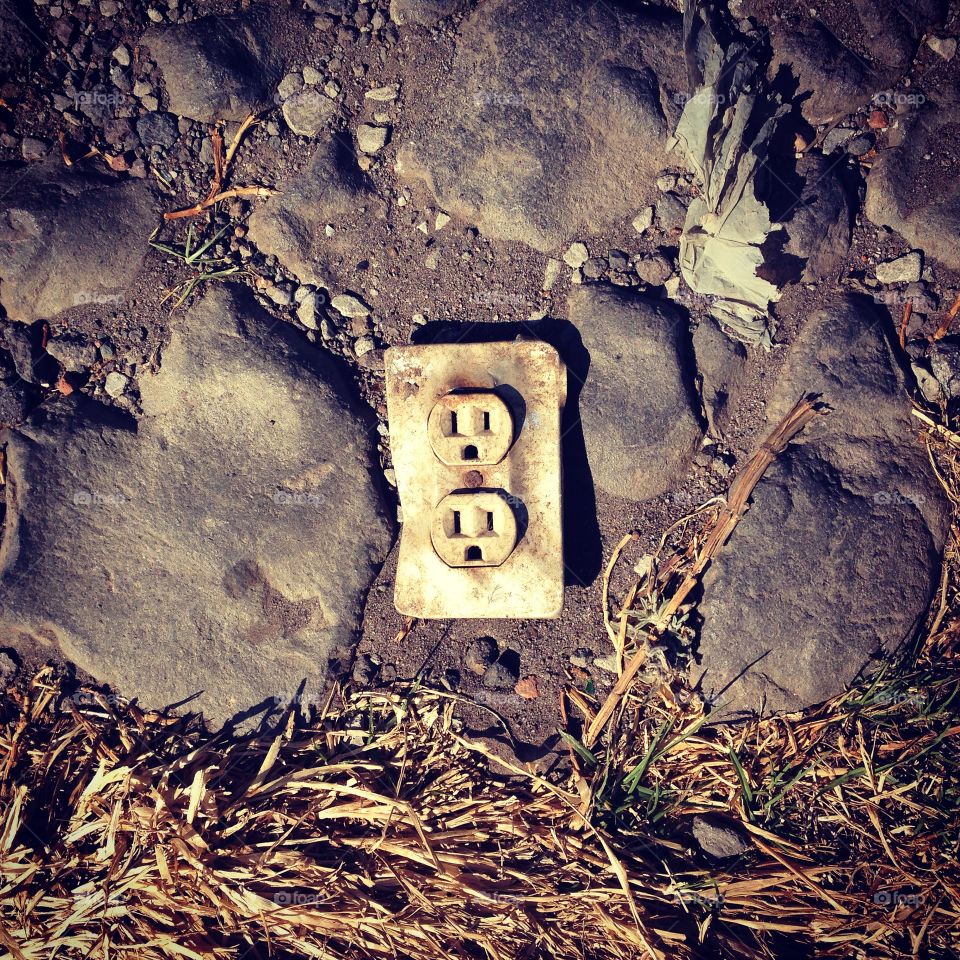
378	829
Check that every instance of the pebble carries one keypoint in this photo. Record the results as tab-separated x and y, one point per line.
945	47
382	94
643	221
306	112
653	270
292	83
550	273
528	688
332	89
280	295
371	139
858	146
837	137
666	183
594	268
498	676
618	260
576	255
441	220
905	269
122	55
73	351
430	261
33	149
365	670
115	384
312	76
363	346
307	311
481	654
348	305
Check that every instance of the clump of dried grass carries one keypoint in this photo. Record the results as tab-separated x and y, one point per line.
378	828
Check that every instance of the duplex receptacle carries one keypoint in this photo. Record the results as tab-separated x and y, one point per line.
476	528
475	438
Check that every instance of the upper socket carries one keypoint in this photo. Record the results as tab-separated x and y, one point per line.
470	427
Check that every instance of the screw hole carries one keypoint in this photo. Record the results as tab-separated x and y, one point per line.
470	452
453	421
486	420
489	521
456	521
474	553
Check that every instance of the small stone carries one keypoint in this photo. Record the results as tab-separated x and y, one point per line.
594	268
618	260
332	89
643	221
158	129
717	839
307	112
610	663
905	269
33	149
8	667
878	120
74	352
528	688
150	102
122	55
837	137
307	311
292	83
653	270
431	261
858	146
348	305
115	384
363	346
365	670
142	88
281	295
441	220
371	139
667	183
550	273
153	13
481	655
109	8
576	255
499	676
382	94
945	47
582	657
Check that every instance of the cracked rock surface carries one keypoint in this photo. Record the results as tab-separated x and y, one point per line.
125	548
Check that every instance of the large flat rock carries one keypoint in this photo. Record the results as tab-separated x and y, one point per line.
68	238
838	556
553	119
838	71
291	225
915	186
637	405
217	68
222	545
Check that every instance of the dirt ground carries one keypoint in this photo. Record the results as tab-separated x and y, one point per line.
475	281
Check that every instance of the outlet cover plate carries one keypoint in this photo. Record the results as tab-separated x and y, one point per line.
529	376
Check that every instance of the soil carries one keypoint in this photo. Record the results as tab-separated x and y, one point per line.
475	281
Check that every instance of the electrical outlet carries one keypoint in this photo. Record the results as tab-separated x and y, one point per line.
475	438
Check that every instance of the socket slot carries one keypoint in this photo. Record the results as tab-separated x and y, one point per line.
476	528
470	427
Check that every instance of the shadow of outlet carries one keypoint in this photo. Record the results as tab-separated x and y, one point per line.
583	551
